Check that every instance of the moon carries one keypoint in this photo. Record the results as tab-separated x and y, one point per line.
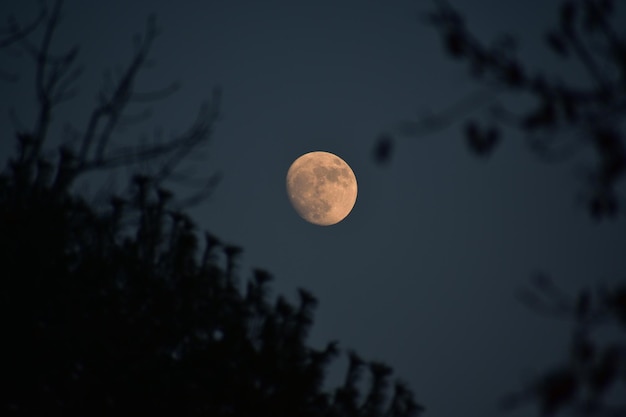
321	187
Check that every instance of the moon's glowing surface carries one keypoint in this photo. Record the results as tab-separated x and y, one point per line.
321	187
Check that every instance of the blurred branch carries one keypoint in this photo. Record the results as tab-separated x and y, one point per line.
444	118
593	367
13	34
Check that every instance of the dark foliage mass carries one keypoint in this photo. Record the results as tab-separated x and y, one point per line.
123	309
564	119
117	312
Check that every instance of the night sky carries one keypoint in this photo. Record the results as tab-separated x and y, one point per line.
423	273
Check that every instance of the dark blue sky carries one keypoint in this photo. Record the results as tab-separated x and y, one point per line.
422	275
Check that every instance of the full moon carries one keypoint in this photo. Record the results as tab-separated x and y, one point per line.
321	187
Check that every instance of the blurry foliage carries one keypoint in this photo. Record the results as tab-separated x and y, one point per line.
594	371
565	118
125	310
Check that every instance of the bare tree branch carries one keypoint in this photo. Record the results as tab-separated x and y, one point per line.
43	86
112	108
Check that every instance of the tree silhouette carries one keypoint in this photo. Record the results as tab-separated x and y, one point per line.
563	119
123	309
